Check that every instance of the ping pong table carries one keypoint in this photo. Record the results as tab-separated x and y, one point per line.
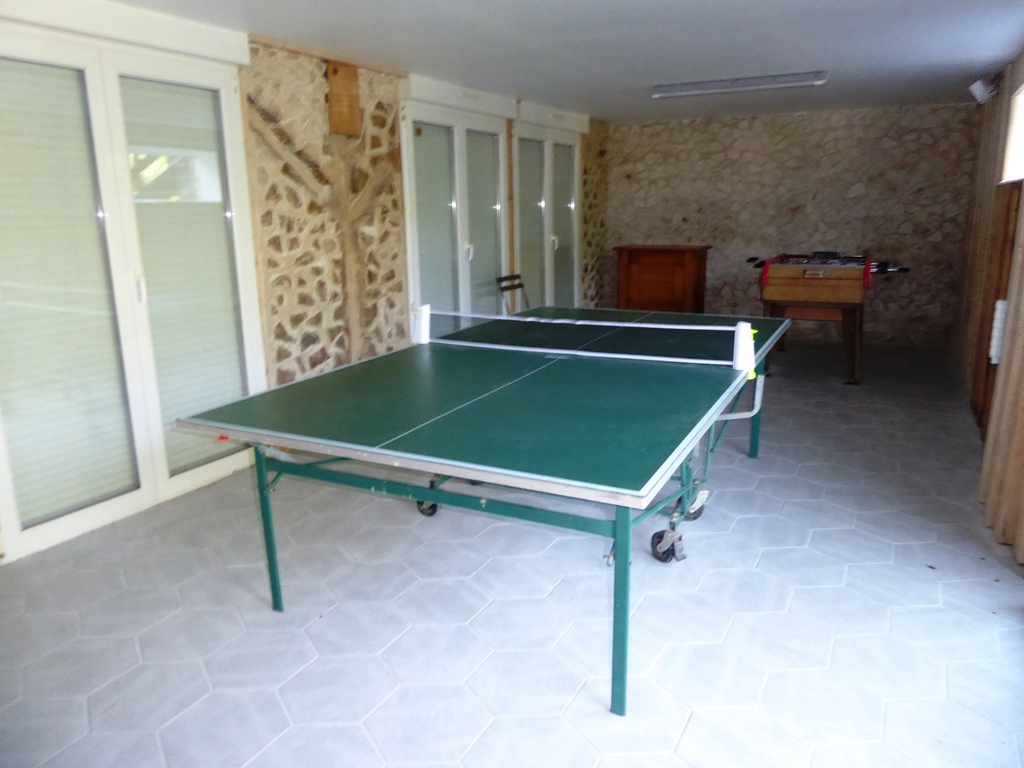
604	406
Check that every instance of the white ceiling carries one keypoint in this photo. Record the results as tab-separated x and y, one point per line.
602	56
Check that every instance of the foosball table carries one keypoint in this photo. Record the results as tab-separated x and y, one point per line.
821	286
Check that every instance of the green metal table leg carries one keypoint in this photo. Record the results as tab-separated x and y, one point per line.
268	529
755	422
620	613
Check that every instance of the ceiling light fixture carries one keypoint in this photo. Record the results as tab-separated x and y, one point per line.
740	84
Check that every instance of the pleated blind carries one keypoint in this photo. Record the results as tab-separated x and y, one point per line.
62	399
177	169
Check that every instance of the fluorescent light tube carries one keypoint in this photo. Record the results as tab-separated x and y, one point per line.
740	84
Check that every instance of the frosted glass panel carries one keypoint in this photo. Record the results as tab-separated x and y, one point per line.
563	215
176	165
435	215
483	171
531	219
62	399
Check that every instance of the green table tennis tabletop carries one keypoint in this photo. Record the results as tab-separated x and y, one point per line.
603	429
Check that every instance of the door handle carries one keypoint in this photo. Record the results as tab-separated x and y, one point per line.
140	288
554	242
469	252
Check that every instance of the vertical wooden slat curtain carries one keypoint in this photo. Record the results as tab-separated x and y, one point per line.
1002	475
994	227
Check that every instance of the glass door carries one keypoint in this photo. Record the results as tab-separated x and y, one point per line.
456	225
483	221
176	164
531	242
434	152
547	228
127	280
64	412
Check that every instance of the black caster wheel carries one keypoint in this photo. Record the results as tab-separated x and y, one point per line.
668	555
695	514
427	510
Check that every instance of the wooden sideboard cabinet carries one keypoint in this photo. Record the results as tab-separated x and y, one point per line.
664	278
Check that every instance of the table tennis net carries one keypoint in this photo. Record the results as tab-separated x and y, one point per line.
705	344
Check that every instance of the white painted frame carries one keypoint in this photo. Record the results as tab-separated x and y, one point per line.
549	137
459	122
102	63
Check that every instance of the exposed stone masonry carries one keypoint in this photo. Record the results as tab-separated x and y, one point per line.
893	184
329	258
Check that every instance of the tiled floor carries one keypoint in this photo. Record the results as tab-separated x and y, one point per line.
841	605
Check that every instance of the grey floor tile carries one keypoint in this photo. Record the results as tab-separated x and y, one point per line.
533	741
922	731
259	660
654	724
80	667
447	653
709	675
190	635
372	582
820	708
110	750
320	746
128	612
147	697
740	736
224	729
524	683
802	567
441	601
869	755
428	723
357	628
28	636
338	689
521	624
34	730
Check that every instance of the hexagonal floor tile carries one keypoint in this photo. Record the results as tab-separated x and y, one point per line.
870	755
382	545
802	567
436	654
771	531
840	610
111	750
29	636
709	675
893	584
441	601
945	633
338	689
80	667
514	539
779	641
945	734
742	590
587	646
992	688
892	668
654	722
850	545
314	746
190	635
446	559
818	514
681	618
427	723
146	697
128	612
34	730
224	729
259	659
819	708
790	488
533	741
522	683
517	577
740	736
745	502
357	628
372	582
519	624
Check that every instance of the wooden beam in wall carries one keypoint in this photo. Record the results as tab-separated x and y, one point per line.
343	109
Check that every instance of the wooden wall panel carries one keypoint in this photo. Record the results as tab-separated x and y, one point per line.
343	109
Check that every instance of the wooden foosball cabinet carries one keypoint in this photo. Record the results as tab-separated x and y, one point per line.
822	286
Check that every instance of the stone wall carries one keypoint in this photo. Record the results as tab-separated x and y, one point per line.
594	204
893	184
327	216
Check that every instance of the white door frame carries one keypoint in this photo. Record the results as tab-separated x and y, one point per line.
549	137
459	122
101	63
